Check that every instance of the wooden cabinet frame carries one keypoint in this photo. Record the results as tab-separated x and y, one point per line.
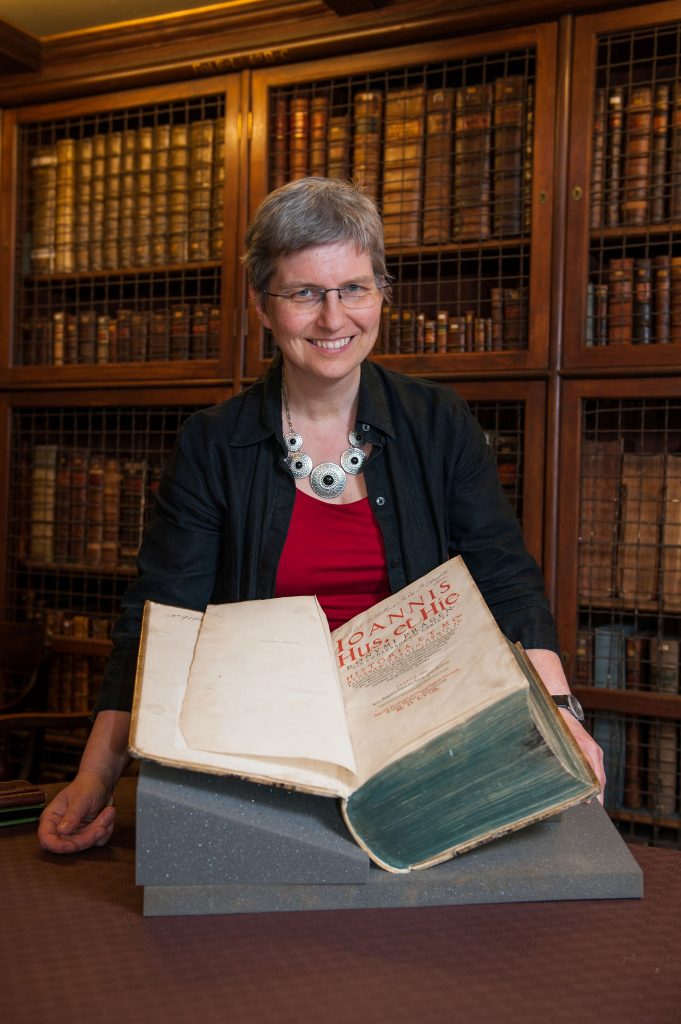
541	37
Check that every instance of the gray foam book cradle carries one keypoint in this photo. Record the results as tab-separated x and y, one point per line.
220	845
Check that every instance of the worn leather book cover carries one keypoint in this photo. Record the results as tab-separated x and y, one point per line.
367	126
637	155
639	543
509	125
599	512
473	162
404	133
20	801
438	169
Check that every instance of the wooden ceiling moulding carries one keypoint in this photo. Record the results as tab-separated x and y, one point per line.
217	41
19	51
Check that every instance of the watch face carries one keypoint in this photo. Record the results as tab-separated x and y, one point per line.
575	707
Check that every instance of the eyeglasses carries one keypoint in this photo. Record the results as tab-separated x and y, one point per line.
354	296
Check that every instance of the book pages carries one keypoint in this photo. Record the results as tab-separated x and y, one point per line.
418	663
167	647
262	681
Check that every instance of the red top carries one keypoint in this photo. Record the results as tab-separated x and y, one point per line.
335	552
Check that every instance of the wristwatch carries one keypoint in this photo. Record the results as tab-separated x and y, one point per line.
570	703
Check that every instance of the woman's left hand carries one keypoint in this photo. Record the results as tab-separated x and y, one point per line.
549	667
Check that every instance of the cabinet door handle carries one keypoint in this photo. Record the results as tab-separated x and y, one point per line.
577	192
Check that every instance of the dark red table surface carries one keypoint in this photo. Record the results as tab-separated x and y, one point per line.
74	946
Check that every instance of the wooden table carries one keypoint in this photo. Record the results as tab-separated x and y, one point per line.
75	947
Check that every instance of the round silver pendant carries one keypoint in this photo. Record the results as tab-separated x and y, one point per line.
293	441
352	460
356	439
299	465
327	480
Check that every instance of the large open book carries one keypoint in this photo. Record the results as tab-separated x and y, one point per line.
432	728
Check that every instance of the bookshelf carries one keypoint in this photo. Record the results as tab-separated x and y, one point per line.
493	145
120	264
623	238
618	608
81	476
457	152
619	616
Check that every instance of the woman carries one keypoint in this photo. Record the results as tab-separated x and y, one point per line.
330	476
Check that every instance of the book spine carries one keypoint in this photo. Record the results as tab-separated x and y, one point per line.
403	165
112	201
641	507
132	510
160	194
319	122
598	160
637	156
367	122
609	727
614	162
104	352
178	194
664	772
64	262
675	154
528	160
671	535
179	332
95	509
214	331
472	162
633	765
78	505
144	197
675	300
662	297
300	136
218	191
82	206
128	195
199	216
97	196
279	135
599	515
621	304
437	190
601	307
44	203
159	336
509	117
658	166
338	147
111	492
87	336
643	301
43	495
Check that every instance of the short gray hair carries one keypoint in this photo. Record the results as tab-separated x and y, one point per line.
312	211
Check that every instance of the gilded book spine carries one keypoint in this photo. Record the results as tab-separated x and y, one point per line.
368	113
403	165
438	170
472	162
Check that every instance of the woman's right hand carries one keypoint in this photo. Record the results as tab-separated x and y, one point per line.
80	816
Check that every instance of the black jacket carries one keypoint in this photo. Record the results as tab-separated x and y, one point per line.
224	505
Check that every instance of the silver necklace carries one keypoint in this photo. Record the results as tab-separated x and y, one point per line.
327	479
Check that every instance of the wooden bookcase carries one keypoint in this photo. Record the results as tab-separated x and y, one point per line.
623	238
121	259
515	256
619	613
618	610
459	250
